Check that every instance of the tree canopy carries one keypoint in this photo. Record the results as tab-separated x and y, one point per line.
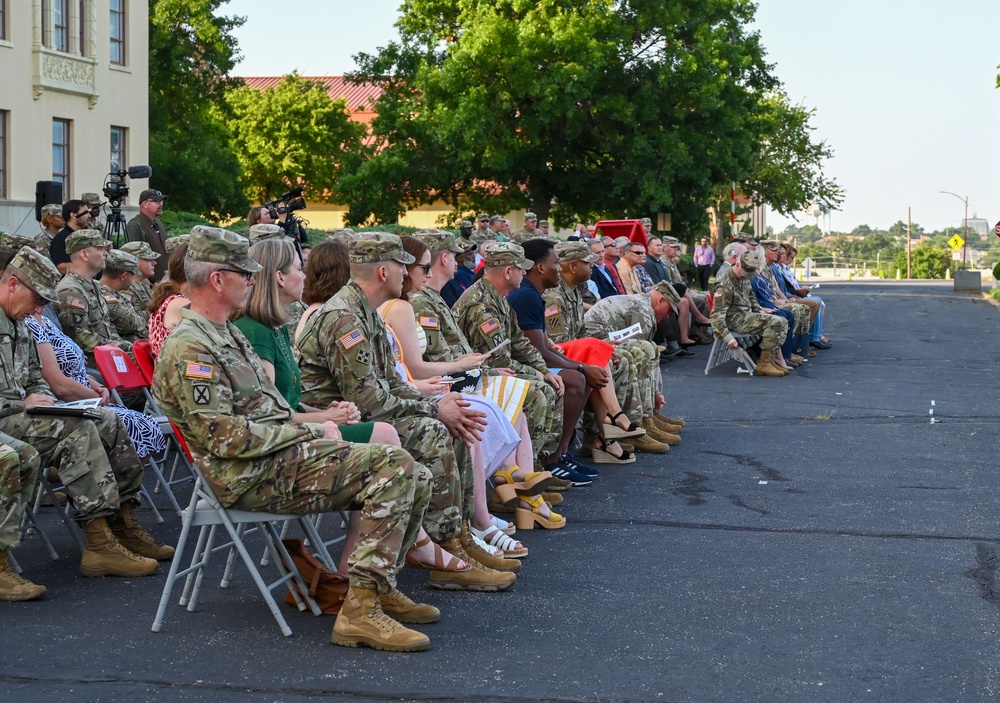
576	109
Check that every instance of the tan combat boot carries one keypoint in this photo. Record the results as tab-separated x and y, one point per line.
133	536
659	416
478	578
398	606
660	435
500	563
105	555
765	366
15	587
665	424
362	621
649	445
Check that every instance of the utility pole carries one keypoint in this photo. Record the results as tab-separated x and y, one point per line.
907	243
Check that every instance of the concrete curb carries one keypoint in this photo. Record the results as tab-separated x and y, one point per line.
991	300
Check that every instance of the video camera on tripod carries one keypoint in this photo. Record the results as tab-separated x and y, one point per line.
285	205
116	190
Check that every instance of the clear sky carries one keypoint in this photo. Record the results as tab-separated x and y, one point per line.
904	92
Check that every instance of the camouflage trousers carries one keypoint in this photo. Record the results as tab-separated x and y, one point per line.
649	382
771	328
700	301
802	321
430	443
543	411
95	459
391	489
19	464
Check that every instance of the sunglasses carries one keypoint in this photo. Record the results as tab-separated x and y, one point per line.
425	267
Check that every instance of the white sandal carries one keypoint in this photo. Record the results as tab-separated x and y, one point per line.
493	537
506	527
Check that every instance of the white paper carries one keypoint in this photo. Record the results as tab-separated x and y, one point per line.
85	403
628	332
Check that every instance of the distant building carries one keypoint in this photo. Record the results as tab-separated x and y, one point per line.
978	225
74	99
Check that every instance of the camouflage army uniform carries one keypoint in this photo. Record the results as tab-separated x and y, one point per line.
481	238
43	241
447	342
85	316
293	311
522	235
95	458
621	311
19	464
126	320
486	320
141	294
699	298
567	323
344	354
801	311
211	384
735	309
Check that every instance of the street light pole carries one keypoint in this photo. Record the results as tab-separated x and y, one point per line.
965	224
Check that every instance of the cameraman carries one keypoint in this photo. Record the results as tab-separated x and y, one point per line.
264	215
147	227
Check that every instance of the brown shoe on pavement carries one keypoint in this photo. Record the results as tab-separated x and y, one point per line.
398	606
500	563
478	578
649	445
126	528
362	621
106	556
13	586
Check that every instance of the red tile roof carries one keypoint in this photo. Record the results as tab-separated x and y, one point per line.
359	98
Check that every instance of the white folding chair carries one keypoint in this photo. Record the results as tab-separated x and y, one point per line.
721	353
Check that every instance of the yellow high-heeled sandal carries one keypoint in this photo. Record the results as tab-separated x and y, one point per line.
526	519
534	483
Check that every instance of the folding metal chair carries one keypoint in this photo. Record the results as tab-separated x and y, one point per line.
206	512
123	376
721	353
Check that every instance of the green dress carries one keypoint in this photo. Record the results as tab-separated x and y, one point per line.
275	346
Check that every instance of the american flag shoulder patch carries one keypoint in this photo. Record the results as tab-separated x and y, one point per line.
431	322
110	298
491	325
196	370
352	338
77	303
551	310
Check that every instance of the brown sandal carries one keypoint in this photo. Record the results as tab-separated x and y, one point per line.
443	561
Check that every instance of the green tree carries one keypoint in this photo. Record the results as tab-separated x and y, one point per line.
191	51
575	108
926	261
292	134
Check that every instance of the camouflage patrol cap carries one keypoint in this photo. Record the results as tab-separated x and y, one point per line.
667	290
482	217
215	245
375	247
498	254
576	251
465	223
41	273
345	234
91	199
530	217
467	245
646	222
52	209
771	244
670	241
749	262
438	240
173	242
258	233
141	250
122	260
11	243
543	223
83	238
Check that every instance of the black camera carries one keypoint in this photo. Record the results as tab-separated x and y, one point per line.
290	201
115	188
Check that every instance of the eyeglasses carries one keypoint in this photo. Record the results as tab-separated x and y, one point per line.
247	275
425	267
39	300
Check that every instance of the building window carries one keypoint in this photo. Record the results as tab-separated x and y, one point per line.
60	154
3	151
118	159
60	24
118	32
3	19
83	27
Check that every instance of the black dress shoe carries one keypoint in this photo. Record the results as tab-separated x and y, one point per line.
684	354
819	344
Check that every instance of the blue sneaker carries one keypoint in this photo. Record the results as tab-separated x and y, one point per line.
561	470
570	461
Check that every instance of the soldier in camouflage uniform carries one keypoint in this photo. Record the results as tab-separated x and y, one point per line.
119	268
210	383
529	231
83	306
483	232
344	354
174	242
486	320
52	222
93	454
19	464
735	309
10	244
94	202
622	311
447	342
141	291
803	309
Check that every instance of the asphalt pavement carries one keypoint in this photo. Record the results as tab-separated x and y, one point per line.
828	536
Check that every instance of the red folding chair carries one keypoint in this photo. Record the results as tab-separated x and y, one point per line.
143	352
121	375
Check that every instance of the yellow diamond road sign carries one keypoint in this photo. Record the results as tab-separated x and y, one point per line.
956	242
